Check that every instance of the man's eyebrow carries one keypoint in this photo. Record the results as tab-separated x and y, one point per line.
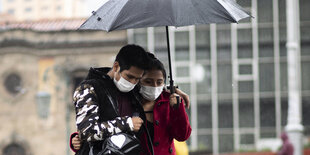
132	76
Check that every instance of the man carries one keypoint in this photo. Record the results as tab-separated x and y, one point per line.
107	91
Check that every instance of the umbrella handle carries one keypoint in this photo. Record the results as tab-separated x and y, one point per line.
172	88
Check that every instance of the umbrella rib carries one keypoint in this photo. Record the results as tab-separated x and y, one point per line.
113	22
227	5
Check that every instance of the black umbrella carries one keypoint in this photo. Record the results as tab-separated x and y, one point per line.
128	14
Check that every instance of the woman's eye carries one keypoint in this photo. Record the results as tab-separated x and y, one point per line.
159	83
148	82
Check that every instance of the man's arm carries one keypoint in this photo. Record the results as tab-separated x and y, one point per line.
87	117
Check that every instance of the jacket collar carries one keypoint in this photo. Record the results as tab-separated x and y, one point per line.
164	97
98	73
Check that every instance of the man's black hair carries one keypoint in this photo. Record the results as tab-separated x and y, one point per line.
132	55
156	64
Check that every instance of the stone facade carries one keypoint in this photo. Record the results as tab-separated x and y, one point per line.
34	63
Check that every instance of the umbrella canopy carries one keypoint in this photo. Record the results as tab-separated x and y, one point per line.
126	14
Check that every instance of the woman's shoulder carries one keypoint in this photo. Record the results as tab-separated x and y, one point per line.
164	96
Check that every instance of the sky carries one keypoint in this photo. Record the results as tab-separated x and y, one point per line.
0	6
93	5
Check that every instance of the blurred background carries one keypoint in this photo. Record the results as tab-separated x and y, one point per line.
236	74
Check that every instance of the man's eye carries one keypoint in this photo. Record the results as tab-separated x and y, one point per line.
130	77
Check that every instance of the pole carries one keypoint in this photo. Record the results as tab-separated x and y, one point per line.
169	60
172	89
294	127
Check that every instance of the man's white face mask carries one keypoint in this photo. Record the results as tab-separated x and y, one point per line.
123	85
151	93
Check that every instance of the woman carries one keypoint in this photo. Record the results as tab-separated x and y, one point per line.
164	121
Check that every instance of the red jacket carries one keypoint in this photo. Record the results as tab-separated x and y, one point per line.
169	124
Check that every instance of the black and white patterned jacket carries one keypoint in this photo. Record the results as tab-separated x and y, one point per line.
96	118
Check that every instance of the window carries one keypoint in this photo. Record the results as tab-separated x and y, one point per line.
264	11
246	113
224	78
226	142
267	112
204	114
13	149
28	9
58	8
202	42
205	143
13	83
182	45
11	11
305	72
182	71
225	114
266	76
140	37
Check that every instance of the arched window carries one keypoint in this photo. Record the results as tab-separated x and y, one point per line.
14	149
13	83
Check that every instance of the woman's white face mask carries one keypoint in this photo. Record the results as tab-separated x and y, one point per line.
123	85
151	93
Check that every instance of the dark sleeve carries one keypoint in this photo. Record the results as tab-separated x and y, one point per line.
87	117
180	127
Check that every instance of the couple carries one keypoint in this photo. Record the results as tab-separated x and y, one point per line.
134	84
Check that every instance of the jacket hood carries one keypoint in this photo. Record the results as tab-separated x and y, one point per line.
98	73
284	136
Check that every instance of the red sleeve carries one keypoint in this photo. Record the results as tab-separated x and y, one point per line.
70	143
180	127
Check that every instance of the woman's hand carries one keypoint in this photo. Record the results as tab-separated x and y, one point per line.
76	142
174	98
184	96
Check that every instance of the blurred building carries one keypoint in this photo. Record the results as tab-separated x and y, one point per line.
22	10
236	75
6	18
41	63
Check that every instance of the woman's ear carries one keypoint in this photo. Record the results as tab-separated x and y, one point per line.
115	66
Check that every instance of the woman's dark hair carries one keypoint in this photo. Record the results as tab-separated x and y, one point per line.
155	64
132	55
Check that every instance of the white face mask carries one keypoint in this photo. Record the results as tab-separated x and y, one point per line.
151	93
123	85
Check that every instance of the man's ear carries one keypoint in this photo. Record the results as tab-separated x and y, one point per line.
115	66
